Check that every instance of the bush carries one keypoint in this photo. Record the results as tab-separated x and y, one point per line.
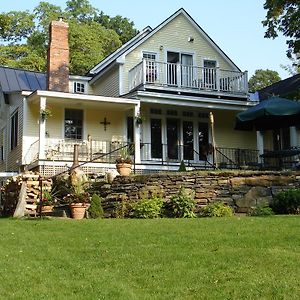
217	209
260	211
95	209
183	205
147	208
287	202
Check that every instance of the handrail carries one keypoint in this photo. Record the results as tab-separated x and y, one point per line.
29	151
229	159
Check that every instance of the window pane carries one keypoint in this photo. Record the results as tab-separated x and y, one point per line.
73	124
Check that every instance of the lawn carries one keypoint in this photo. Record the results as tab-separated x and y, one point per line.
233	258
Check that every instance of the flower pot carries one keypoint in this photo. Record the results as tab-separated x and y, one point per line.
78	210
124	169
47	209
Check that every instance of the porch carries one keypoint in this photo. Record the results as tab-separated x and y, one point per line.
189	78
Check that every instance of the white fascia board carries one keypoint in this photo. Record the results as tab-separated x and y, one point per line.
70	96
195	101
79	77
8	174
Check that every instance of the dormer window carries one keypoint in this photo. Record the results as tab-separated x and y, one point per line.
79	87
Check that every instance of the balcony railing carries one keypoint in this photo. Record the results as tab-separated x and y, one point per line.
188	77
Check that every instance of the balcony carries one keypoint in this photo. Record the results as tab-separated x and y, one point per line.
186	78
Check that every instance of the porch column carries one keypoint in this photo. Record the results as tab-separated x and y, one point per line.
260	143
293	137
137	135
42	130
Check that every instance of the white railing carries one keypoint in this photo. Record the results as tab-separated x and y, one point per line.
187	77
32	153
63	149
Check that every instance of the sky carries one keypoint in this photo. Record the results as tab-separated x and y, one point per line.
235	25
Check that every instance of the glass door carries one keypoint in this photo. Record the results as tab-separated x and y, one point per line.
172	138
188	140
172	61
156	136
203	140
186	70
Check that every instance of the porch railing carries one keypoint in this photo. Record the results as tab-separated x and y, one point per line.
187	77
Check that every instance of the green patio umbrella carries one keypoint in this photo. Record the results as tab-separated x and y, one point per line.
272	113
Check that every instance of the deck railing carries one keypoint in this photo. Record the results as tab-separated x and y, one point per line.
187	77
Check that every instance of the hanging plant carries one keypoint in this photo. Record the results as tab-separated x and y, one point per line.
45	113
139	119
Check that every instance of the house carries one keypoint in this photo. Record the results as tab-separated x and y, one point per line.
175	76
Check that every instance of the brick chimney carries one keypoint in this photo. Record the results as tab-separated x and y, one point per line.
58	57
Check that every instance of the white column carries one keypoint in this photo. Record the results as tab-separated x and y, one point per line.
260	143
42	130
137	135
293	137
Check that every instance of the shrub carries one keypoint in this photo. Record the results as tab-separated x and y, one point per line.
217	209
95	209
183	205
147	208
287	202
260	211
182	167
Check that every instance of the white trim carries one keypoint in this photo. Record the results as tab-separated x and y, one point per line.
69	96
8	174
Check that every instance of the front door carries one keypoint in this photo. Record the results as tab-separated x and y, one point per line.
203	140
156	139
188	140
281	138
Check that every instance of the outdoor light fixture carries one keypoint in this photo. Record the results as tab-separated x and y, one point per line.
190	39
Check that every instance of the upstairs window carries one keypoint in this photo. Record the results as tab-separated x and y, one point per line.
79	87
14	130
151	68
74	124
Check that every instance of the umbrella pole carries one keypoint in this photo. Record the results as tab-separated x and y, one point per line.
211	118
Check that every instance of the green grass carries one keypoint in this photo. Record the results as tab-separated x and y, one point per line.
234	258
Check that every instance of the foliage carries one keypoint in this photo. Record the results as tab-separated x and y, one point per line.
183	204
95	210
122	209
263	78
125	154
25	35
46	113
287	202
284	16
49	197
147	208
259	211
217	209
182	167
77	193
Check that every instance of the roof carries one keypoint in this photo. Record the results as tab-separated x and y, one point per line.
16	80
147	33
289	87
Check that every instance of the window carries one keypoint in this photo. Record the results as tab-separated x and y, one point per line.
14	130
79	87
151	68
155	111
188	114
74	124
171	112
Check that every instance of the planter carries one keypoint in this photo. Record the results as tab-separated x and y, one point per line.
78	210
124	169
47	209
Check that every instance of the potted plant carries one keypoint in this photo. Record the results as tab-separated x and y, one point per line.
139	119
124	162
48	201
78	200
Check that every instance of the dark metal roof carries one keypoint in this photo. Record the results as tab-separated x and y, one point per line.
15	80
289	87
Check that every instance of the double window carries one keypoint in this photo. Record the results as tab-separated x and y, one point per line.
79	87
14	130
74	124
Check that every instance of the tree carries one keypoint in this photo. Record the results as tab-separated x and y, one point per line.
24	35
262	78
284	16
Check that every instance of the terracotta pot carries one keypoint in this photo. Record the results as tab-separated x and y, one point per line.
78	210
47	209
124	169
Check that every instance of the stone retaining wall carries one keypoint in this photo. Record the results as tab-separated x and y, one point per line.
240	190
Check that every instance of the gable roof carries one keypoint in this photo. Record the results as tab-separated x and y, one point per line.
147	33
16	80
289	87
